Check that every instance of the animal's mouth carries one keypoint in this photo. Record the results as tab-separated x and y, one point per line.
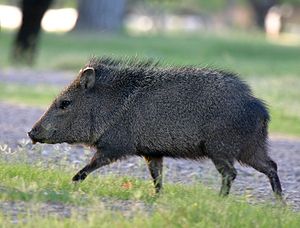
37	137
34	139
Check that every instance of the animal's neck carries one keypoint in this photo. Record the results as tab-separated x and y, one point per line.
109	122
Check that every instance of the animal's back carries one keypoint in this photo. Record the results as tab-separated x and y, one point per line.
192	108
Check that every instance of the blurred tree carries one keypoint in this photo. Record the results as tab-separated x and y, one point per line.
100	15
261	8
27	36
292	2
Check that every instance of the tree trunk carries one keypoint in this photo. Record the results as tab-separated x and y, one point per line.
100	15
261	8
27	37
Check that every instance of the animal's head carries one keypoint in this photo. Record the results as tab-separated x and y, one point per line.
71	116
81	113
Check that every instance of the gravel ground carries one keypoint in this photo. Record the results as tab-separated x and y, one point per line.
28	77
15	121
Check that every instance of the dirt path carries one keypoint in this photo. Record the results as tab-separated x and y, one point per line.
29	77
15	121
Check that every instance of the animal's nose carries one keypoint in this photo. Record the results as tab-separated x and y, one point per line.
32	134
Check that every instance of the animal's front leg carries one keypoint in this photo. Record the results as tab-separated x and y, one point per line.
99	159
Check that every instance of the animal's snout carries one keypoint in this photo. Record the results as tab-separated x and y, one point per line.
32	135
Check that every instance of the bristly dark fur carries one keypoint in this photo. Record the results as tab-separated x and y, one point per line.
136	73
123	62
142	72
128	70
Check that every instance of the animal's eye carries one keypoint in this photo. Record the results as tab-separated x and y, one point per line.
64	104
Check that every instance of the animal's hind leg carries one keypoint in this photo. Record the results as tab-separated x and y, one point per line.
155	165
267	166
228	172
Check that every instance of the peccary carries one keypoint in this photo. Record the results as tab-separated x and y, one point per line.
128	107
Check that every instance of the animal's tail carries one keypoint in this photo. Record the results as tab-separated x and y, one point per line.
263	113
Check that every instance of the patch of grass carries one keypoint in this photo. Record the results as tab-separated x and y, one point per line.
27	183
282	96
248	55
30	95
177	206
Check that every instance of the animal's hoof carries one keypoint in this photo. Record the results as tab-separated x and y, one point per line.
79	177
75	178
280	199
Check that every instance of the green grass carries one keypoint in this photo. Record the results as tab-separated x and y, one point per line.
282	96
246	54
28	183
30	95
177	206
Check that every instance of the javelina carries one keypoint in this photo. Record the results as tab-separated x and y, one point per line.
126	108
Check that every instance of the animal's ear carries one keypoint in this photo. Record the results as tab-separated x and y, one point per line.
87	78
